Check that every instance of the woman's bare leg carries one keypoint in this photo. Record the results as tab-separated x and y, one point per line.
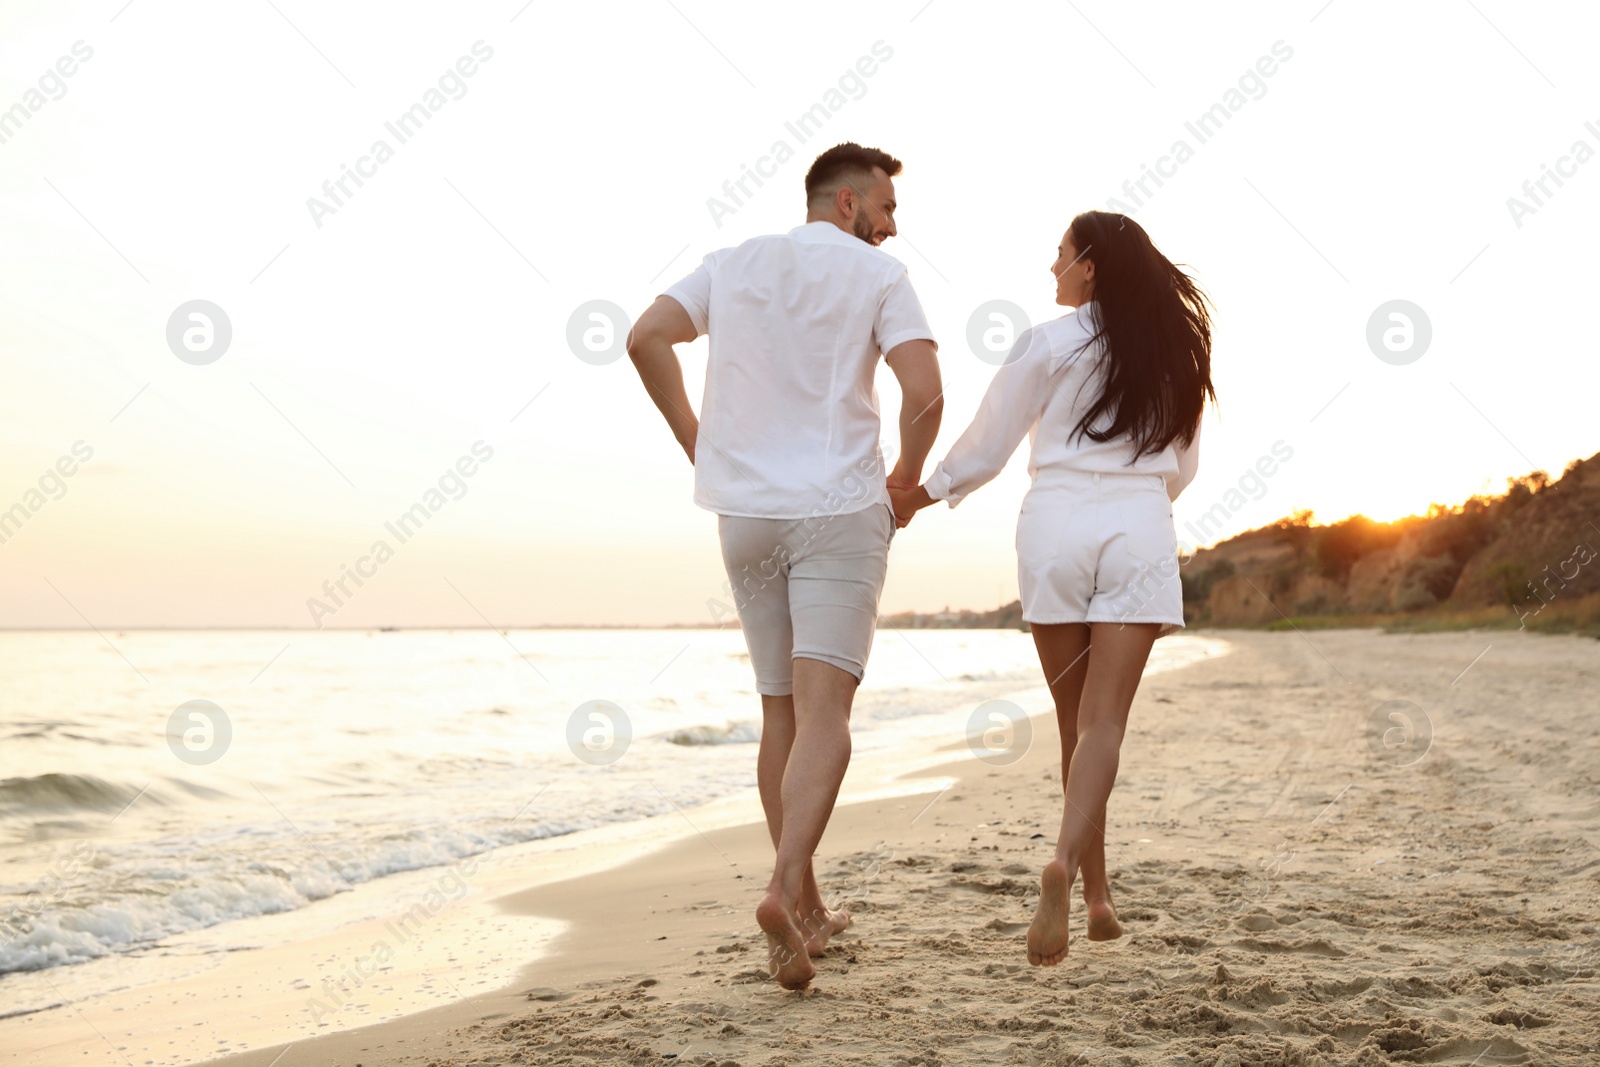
1114	664
1064	655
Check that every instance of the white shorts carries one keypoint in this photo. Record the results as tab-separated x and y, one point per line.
1099	548
807	588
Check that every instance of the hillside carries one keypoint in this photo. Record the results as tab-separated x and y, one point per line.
1528	557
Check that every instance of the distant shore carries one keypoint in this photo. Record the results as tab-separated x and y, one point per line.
1580	616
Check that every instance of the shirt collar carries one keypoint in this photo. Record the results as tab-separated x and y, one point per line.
826	232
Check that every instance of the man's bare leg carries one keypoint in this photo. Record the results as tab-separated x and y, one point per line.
817	922
819	756
1064	655
1115	664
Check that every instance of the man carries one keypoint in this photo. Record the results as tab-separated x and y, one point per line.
786	453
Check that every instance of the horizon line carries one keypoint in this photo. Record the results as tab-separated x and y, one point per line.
437	628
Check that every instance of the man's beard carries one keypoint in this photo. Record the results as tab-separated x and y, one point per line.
862	226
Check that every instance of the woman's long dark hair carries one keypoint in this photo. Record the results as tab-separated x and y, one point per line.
1154	321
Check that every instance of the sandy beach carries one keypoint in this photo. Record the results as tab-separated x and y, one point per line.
406	537
1297	888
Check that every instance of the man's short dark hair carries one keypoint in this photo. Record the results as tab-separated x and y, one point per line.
848	161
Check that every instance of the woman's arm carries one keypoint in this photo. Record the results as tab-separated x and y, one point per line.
1012	405
1188	462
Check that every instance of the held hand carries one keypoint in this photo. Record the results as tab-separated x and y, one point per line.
899	484
901	479
900	499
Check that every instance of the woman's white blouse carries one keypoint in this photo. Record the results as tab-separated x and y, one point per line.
1049	379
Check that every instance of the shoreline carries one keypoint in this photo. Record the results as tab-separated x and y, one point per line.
297	954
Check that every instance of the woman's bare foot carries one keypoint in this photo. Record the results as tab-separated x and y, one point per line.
787	959
1103	924
819	927
1047	936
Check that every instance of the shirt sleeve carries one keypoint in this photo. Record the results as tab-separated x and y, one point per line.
900	316
1011	407
1188	463
694	293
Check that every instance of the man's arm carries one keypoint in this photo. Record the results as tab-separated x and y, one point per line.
916	366
664	324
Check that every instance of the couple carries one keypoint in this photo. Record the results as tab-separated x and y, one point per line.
786	453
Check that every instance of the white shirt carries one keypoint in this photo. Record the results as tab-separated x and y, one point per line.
1049	381
789	422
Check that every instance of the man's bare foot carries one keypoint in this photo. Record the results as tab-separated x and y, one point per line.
1047	936
819	927
1103	924
787	959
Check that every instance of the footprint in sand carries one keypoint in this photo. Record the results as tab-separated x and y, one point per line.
1000	886
1317	947
548	995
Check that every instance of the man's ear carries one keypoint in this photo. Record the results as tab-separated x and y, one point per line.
845	200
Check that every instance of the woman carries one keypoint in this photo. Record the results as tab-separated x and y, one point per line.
1111	395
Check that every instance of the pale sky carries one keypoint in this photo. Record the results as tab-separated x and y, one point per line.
372	346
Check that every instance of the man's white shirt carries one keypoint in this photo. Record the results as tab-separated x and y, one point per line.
789	423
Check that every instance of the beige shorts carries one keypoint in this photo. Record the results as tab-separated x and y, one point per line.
807	588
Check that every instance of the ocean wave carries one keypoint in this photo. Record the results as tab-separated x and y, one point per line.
62	792
124	897
89	739
39	932
733	733
102	900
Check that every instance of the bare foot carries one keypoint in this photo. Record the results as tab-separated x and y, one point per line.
787	960
1047	936
1103	924
820	926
